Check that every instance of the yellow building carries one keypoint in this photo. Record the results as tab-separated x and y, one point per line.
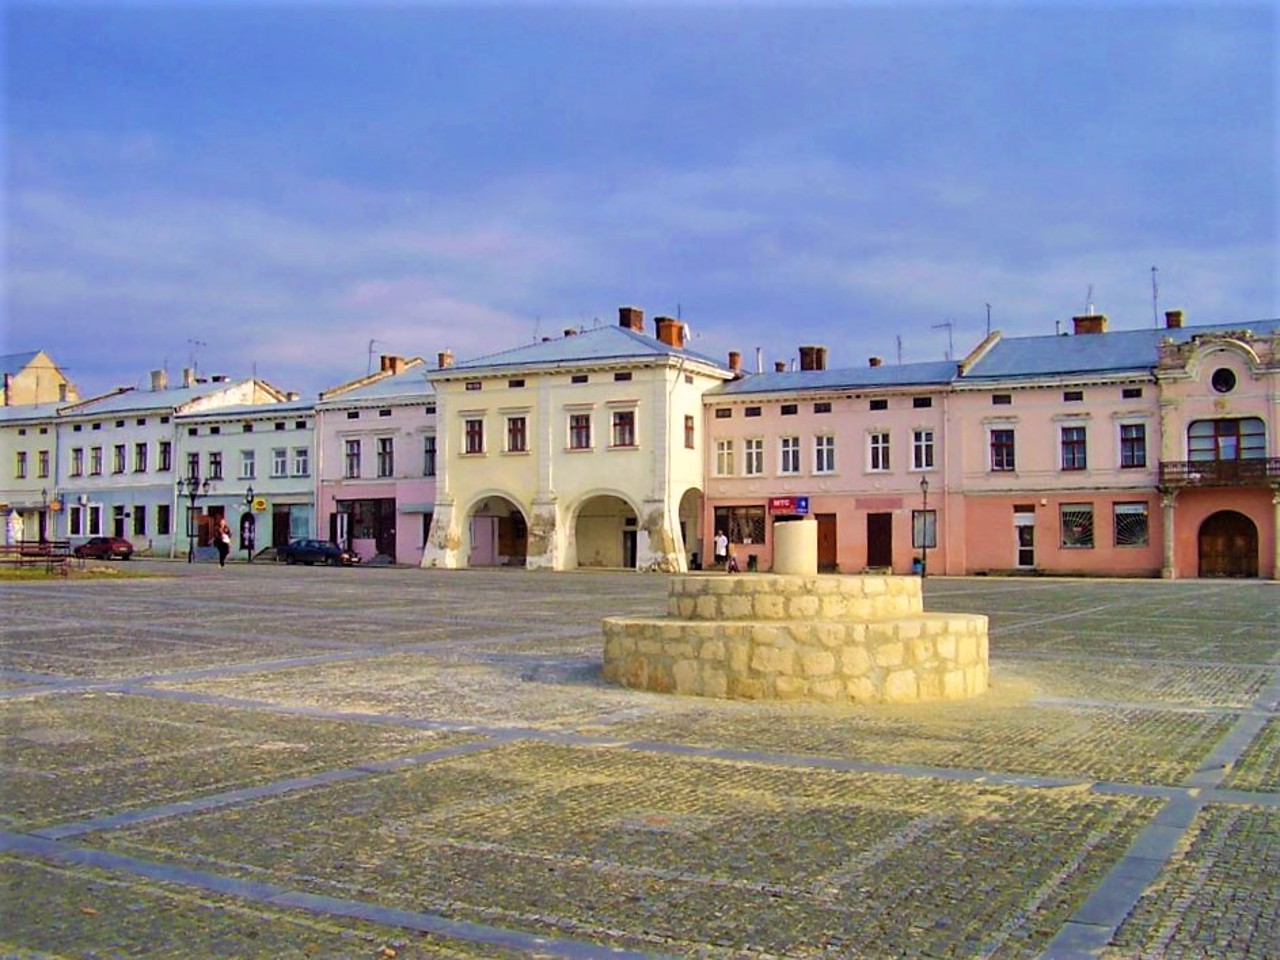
33	377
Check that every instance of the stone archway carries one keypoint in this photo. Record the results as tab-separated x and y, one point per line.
606	533
499	534
690	514
1228	545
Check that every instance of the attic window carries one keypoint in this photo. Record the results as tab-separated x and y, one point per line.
579	378
193	431
215	430
880	404
429	409
279	424
751	412
164	419
515	384
921	403
248	428
1072	396
790	409
724	413
141	421
474	385
1131	393
78	427
1001	399
97	426
119	423
1224	380
823	406
622	377
300	425
353	414
384	413
688	378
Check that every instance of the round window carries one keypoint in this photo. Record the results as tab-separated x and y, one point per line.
1224	380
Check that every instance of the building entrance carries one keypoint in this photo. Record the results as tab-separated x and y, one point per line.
1228	545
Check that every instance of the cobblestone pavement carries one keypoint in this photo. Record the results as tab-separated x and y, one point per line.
270	761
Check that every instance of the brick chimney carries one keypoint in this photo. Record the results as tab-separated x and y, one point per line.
1092	323
632	318
444	359
735	363
813	358
390	363
570	332
779	366
876	361
1172	319
670	332
188	376
159	380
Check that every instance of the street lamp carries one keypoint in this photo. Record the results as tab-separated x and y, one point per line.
44	514
924	527
247	524
193	488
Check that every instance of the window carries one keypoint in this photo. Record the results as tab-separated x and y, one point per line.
878	452
473	431
386	456
688	433
139	458
353	414
580	431
624	428
878	405
1133	445
1072	396
921	403
215	430
248	464
139	521
193	465
1077	524
166	456
1226	439
95	461
42	463
751	411
215	466
724	413
789	455
193	431
790	409
119	423
384	413
301	461
754	465
300	425
248	428
77	461
164	520
474	385
1002	458
352	461
822	407
922	450
724	458
515	384
622	377
279	461
1131	525
924	528
824	454
517	435
1223	380
1073	448
75	521
741	524
429	456
579	378
1131	393
95	520
1001	399
20	465
118	454
279	425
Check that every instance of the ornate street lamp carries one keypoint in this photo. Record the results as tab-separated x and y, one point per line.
193	488
924	527
247	524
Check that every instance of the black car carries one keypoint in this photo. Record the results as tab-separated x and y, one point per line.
316	551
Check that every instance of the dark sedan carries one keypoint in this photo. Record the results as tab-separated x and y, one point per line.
316	551
104	548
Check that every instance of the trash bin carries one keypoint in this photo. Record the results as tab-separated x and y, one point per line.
753	563
693	561
917	566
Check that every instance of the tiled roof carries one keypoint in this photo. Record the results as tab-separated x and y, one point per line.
598	344
1114	352
939	372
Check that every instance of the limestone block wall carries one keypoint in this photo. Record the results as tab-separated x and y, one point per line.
824	638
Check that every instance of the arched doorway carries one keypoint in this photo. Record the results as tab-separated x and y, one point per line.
499	534
606	533
1228	545
695	550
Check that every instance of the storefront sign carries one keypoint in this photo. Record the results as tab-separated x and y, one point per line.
794	505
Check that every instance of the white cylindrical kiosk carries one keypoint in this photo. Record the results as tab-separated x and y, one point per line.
795	547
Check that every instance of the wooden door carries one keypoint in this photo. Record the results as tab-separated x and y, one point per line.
879	539
826	541
1228	546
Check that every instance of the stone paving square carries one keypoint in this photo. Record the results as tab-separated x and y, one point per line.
273	761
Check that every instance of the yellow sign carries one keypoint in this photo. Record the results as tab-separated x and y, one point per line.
55	505
259	504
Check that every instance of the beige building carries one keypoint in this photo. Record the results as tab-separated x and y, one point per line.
584	450
33	377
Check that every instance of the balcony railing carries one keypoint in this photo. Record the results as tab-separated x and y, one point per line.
1219	473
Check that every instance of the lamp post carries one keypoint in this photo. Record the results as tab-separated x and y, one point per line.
193	488
924	527
247	525
44	514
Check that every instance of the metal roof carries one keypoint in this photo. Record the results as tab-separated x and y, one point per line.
598	344
409	384
15	363
935	373
21	412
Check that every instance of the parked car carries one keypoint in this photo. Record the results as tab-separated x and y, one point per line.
104	548
316	551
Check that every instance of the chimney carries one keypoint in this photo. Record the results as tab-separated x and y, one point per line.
1093	323
813	358
569	331
670	332
876	361
1172	319
62	393
444	359
779	366
293	395
391	363
159	381
632	318
188	376
735	363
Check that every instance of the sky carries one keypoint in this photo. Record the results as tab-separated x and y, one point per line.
289	189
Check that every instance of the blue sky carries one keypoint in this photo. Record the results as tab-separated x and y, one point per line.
271	186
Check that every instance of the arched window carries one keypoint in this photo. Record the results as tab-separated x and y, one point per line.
1243	439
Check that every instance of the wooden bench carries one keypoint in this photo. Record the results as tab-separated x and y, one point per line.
53	554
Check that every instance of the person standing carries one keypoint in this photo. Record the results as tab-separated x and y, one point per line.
721	548
223	541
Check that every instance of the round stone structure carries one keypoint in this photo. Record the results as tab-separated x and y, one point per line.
862	639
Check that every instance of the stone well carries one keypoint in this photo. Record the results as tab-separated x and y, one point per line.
862	639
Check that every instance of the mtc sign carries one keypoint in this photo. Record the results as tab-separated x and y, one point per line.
791	505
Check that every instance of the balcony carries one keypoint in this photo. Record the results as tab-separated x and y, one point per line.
1220	473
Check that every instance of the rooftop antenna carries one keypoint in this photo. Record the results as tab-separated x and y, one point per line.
195	346
899	339
1088	302
537	327
950	327
369	367
1155	300
988	319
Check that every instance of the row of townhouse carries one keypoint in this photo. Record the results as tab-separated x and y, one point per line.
1143	453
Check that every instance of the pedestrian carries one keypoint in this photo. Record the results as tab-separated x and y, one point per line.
721	548
223	541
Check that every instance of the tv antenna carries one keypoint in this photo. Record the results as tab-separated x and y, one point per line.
988	319
1088	302
899	339
195	345
1155	299
369	366
950	328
